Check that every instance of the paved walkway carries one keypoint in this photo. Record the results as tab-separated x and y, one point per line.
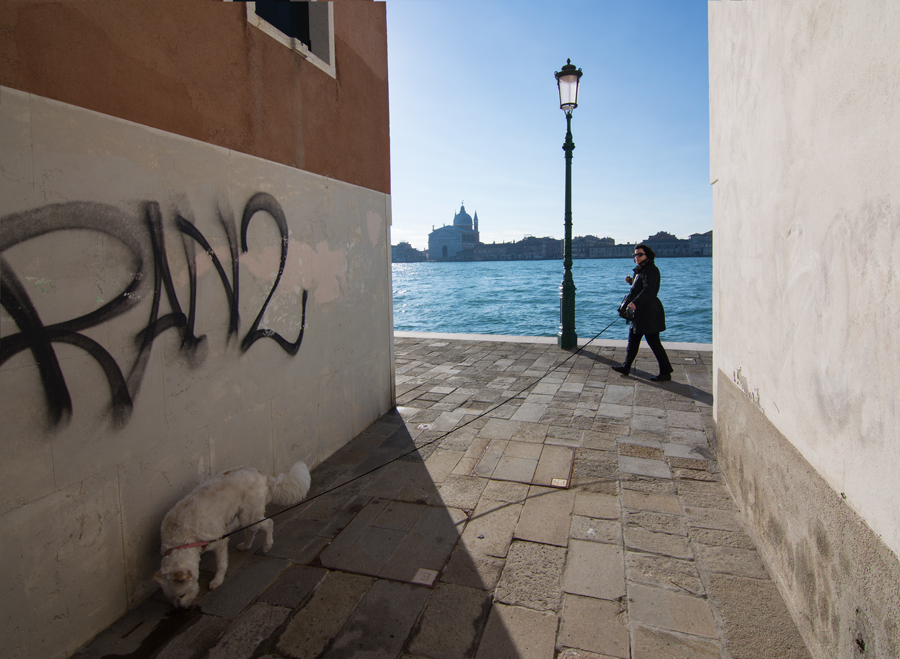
575	514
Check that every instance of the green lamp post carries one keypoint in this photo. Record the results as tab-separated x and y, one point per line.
567	81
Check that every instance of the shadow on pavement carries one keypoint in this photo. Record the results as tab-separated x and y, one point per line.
372	564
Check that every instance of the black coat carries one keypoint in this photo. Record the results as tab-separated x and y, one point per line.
649	315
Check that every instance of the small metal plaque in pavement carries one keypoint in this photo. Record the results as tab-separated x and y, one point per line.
425	577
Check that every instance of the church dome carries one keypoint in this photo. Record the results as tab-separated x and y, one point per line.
462	219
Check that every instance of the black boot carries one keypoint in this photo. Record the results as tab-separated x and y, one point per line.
665	367
631	351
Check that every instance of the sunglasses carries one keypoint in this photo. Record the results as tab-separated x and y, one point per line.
637	254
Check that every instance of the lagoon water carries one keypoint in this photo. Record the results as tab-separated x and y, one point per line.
521	298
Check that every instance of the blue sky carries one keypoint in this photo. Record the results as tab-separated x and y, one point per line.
475	117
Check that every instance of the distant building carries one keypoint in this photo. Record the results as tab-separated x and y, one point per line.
582	245
406	253
612	251
450	243
665	244
526	249
701	244
460	242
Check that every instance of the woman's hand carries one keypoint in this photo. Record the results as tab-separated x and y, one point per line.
628	280
631	306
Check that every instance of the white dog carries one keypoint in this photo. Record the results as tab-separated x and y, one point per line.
229	501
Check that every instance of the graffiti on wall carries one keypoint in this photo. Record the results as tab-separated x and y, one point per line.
145	245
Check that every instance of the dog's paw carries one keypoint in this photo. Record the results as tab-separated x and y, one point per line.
215	583
266	547
244	546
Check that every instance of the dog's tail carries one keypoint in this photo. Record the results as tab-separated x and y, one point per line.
290	488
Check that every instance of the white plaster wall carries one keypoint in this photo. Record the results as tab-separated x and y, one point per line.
804	130
81	500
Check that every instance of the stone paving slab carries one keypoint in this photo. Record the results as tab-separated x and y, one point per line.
513	468
595	625
244	587
438	541
714	537
294	586
381	623
713	518
490	459
314	626
546	517
644	467
125	636
571	653
253	627
665	572
596	506
665	609
532	576
196	639
463	492
427	545
665	544
555	466
404	480
594	569
654	644
596	530
757	618
369	554
292	538
491	527
510	492
732	560
643	501
514	632
452	622
657	522
359	525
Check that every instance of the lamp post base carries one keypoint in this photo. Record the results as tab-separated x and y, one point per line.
567	341
567	338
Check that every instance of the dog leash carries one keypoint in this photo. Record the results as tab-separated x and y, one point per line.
402	455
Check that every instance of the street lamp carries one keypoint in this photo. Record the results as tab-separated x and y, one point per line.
567	80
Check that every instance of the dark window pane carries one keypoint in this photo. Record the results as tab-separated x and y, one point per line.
290	18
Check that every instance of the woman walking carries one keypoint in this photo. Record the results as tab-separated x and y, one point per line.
649	315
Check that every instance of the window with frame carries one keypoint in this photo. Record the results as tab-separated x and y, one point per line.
304	26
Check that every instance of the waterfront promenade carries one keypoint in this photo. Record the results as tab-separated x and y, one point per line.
534	504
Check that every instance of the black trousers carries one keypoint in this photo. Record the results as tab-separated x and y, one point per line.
634	342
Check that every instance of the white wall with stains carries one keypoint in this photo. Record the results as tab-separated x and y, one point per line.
805	173
133	367
805	155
